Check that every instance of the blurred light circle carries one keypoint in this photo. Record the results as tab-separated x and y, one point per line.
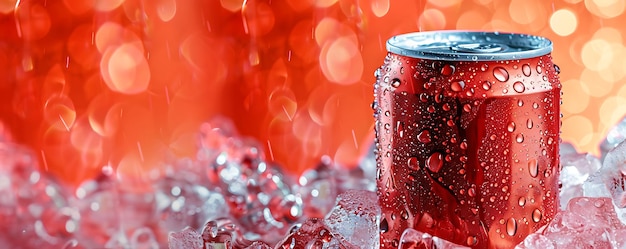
563	22
471	19
524	11
605	8
597	54
444	3
612	110
431	19
380	7
579	129
125	69
341	61
107	5
593	84
575	99
166	10
233	5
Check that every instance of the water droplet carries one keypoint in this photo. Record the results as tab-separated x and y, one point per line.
526	70
519	87
529	123
598	203
519	138
401	70
447	70
539	69
557	69
404	215
457	86
533	167
520	103
493	137
511	226
484	67
400	129
535	105
387	113
384	227
424	136
471	192
395	82
386	79
522	201
536	215
471	240
492	199
486	85
413	163
435	162
467	107
446	107
501	74
550	141
463	145
511	127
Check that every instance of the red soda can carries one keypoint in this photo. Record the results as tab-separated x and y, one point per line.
467	137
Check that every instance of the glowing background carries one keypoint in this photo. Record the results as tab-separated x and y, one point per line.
89	83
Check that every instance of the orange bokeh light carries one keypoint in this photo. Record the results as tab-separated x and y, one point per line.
129	78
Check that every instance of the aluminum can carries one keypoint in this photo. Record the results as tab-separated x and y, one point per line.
467	137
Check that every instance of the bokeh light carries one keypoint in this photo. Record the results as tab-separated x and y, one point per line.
93	83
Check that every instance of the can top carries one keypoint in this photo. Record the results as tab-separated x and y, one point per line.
469	45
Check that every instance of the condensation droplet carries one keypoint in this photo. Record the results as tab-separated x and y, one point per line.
529	123
519	138
457	86
467	108
533	167
413	163
537	215
519	87
471	240
484	67
511	127
511	226
526	70
486	85
435	162
447	70
424	136
501	74
522	201
539	69
395	82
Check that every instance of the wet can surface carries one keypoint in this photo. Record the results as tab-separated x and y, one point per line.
467	137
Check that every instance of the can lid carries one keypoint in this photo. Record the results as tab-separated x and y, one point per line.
469	45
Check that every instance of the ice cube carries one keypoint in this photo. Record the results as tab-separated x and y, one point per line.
355	218
318	189
188	238
314	233
576	168
413	239
566	148
586	223
615	136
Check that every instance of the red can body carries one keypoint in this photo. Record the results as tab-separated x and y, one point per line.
467	150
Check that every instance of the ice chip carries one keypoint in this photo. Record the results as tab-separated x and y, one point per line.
585	223
318	189
615	136
413	239
537	240
614	174
314	233
566	148
258	245
355	218
576	169
188	238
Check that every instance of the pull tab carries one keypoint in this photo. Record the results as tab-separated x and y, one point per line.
477	48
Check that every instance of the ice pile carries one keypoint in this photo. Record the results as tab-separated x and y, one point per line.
231	196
